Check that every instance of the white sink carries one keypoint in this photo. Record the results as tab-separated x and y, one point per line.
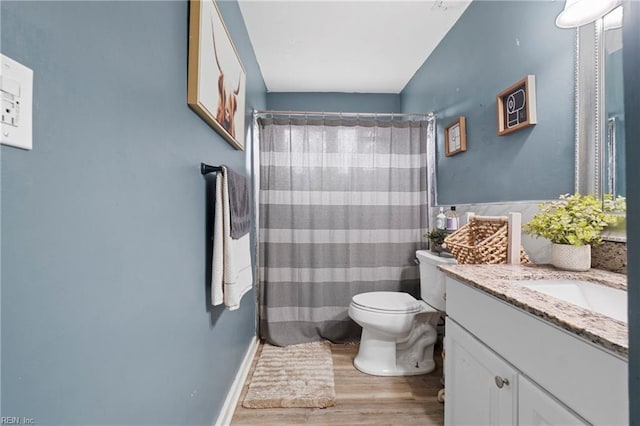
605	300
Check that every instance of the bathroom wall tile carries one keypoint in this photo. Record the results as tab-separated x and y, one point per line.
610	256
536	248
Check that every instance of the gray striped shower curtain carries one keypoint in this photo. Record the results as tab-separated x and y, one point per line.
343	208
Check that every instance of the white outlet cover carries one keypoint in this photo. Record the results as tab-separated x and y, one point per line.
16	94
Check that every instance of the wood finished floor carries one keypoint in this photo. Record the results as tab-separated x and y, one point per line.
360	399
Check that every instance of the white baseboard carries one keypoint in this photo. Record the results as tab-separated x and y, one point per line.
230	402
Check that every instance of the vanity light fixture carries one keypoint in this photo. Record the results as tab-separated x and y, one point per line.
581	12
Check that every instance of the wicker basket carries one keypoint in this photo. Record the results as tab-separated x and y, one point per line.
482	240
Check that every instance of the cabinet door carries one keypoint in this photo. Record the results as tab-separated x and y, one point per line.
537	408
481	388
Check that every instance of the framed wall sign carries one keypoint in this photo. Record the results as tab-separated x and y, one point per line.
455	137
517	106
216	85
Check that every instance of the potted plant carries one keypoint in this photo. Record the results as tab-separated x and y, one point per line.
615	209
572	224
436	238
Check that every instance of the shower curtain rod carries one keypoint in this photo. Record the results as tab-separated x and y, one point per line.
343	114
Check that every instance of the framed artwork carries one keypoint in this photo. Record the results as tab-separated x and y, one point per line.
517	106
216	86
455	137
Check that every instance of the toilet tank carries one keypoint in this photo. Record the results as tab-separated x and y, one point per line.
432	279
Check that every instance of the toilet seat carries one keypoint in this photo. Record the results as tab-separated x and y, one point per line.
388	302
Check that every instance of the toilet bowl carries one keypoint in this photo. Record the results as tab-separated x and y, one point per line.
399	331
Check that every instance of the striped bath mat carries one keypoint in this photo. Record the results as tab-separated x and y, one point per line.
293	376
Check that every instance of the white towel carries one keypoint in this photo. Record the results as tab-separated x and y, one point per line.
217	275
231	275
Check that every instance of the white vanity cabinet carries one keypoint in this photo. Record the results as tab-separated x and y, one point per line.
537	408
505	366
484	389
481	388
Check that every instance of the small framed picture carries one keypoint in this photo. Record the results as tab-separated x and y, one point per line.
455	137
517	106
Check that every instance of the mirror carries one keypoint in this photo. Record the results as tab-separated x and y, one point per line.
614	167
600	138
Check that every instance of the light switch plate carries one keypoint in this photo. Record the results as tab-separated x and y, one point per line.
16	96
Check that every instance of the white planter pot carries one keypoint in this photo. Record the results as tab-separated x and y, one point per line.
571	258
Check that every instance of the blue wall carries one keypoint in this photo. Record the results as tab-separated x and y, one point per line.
104	226
494	44
334	102
631	54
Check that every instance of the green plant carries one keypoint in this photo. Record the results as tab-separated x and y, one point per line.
436	239
615	209
618	204
574	219
436	236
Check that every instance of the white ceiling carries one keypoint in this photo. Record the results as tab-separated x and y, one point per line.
345	45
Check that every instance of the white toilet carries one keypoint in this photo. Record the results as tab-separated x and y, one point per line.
398	331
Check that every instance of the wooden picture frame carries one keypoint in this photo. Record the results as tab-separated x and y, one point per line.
517	106
216	86
455	137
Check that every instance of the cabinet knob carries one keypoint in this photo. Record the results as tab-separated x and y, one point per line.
500	382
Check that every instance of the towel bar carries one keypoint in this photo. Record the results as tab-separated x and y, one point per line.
206	169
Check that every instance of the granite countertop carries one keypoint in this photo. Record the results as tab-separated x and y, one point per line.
597	328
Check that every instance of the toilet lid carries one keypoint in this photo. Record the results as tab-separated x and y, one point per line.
387	301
